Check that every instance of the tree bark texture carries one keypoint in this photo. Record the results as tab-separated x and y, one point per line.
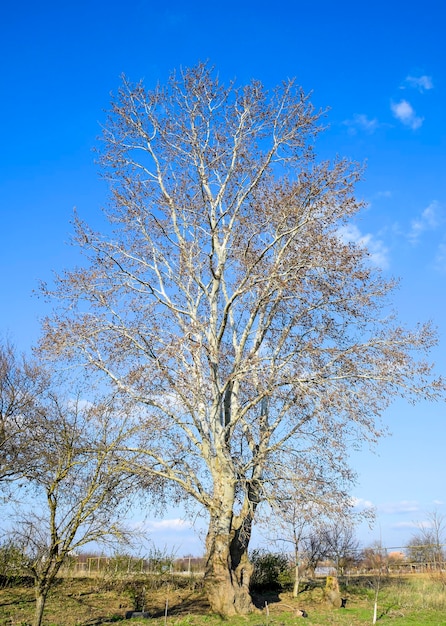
228	570
40	606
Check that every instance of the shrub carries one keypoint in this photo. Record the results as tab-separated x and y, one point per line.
271	571
12	562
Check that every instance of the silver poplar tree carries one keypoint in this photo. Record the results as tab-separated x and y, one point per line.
224	299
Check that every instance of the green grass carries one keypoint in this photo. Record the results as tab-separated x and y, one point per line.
409	601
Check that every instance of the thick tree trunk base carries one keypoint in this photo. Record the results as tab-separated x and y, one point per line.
228	570
227	576
228	599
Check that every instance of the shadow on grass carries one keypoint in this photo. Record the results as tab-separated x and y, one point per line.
15	601
183	607
386	611
97	621
261	599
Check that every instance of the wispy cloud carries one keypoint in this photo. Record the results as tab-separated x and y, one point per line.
425	523
176	524
377	250
361	123
170	524
404	506
404	112
430	218
440	259
403	525
361	503
422	83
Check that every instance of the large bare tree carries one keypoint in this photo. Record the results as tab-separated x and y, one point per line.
223	298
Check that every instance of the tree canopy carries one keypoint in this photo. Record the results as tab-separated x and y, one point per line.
225	300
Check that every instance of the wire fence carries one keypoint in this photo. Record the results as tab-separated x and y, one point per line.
130	565
392	560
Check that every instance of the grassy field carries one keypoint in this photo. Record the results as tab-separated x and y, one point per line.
415	600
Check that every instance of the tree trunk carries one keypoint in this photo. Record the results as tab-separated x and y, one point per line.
228	570
296	581
296	569
40	605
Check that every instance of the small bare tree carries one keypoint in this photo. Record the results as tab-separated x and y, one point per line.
375	559
228	303
313	550
428	546
302	519
75	489
341	544
434	533
292	525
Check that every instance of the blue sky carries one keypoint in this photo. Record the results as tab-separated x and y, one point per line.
379	66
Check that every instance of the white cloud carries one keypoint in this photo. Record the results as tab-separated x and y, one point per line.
361	503
422	83
412	525
404	112
429	219
80	404
176	524
404	506
169	524
426	523
361	122
377	250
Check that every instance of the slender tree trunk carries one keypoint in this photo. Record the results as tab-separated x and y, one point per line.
375	605
296	561
296	581
40	606
375	611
